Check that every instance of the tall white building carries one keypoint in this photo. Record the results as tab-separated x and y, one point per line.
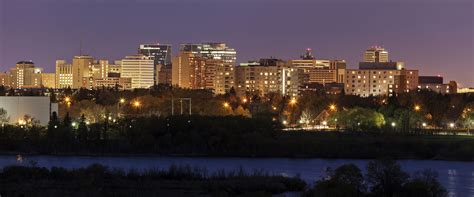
140	69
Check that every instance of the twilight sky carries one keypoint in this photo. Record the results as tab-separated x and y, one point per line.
434	36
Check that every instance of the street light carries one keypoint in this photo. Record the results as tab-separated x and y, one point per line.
136	104
293	101
285	122
451	125
423	124
226	104
417	108
244	100
122	101
332	107
394	124
67	99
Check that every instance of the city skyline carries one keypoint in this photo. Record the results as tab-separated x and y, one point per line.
439	42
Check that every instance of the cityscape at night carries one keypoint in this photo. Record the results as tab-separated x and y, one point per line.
236	98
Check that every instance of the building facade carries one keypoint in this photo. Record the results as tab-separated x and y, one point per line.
376	54
140	69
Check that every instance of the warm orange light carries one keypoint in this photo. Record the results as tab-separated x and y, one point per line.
244	100
226	104
136	104
67	99
293	101
122	100
417	108
332	107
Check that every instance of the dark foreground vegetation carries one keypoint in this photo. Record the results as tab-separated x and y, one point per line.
226	136
98	180
383	178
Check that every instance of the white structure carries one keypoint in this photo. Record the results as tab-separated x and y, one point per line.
140	68
38	108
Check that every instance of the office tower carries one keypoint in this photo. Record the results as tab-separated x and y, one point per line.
218	51
189	71
319	70
81	66
161	54
266	76
381	80
64	74
205	66
376	54
140	69
48	80
25	75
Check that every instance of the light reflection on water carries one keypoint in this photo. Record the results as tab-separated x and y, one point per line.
457	177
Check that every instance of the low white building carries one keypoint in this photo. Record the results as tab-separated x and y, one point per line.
39	108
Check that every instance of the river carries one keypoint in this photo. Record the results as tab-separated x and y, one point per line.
457	177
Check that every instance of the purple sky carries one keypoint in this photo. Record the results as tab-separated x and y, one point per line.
434	36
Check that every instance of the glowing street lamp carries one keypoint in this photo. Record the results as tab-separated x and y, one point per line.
226	105
332	107
67	99
293	101
417	108
394	124
122	101
451	125
424	124
136	104
244	100
284	122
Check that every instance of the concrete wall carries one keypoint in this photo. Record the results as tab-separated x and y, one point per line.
38	107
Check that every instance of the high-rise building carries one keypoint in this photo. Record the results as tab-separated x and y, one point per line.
378	76
25	75
267	76
160	52
81	71
205	66
376	54
140	69
64	74
217	51
189	71
319	70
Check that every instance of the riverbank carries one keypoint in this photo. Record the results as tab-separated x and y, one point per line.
329	145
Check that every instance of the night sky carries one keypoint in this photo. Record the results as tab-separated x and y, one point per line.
435	37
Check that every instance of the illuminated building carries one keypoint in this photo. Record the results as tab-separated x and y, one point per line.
204	66
4	79
376	54
64	74
140	69
25	75
319	70
377	76
161	54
